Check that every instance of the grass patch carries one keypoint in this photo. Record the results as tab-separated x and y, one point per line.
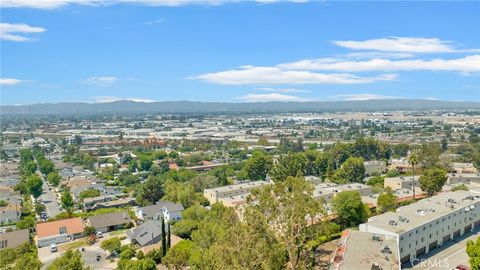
117	232
73	245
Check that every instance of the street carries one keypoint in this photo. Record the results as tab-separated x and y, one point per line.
51	204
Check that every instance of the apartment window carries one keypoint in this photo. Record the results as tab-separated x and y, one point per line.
422	239
409	245
430	236
401	238
430	225
410	234
3	244
437	222
424	228
401	250
416	242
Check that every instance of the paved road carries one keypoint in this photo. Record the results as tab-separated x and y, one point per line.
51	204
448	257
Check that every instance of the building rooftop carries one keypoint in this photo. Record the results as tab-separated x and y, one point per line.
246	185
363	250
14	238
421	212
110	219
72	225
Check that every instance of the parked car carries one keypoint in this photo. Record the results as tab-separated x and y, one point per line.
53	248
99	234
462	267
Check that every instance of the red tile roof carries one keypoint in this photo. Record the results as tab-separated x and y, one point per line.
73	225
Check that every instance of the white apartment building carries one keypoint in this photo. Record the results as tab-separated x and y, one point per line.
375	167
401	182
217	194
423	226
328	191
463	178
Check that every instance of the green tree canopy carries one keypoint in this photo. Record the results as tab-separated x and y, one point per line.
70	260
34	185
473	251
387	201
258	166
349	208
432	180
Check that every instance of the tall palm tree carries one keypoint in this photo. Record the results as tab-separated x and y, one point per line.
413	160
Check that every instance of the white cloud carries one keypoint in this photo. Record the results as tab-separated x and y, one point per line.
399	44
106	99
282	90
161	20
101	81
466	64
9	81
271	97
52	4
373	54
356	97
276	75
15	32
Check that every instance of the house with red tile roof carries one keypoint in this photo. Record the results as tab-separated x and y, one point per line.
59	231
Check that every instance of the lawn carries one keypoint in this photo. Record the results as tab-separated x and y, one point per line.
73	245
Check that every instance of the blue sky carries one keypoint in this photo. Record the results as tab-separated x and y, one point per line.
237	51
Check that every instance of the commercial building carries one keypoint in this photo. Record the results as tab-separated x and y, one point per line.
421	227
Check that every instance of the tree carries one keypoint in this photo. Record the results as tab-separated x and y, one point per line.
292	164
349	208
164	238
429	155
289	208
39	208
258	166
473	251
145	163
111	245
54	178
143	264
70	260
26	223
34	185
179	255
432	180
132	167
387	201
355	168
67	201
89	230
150	191
169	237
89	193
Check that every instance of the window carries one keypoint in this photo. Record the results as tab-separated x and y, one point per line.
63	230
430	236
3	244
401	250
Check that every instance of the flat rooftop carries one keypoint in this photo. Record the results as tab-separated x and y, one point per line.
423	211
361	251
246	185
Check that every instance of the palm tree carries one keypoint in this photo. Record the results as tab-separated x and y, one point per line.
413	160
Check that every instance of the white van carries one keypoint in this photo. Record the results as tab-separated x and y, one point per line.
53	248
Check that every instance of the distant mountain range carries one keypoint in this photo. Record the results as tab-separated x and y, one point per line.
131	107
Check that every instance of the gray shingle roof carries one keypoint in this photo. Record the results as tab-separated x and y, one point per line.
110	219
146	232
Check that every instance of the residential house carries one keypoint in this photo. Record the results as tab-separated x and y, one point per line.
109	222
14	238
148	233
10	213
59	231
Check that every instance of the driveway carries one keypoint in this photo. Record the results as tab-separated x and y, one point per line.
448	256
